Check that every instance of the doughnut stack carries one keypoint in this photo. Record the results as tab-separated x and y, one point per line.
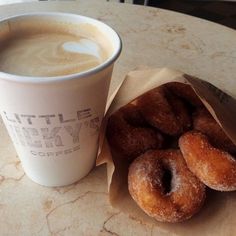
175	149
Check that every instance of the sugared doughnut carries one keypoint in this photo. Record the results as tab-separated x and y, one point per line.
161	184
214	167
186	92
205	123
165	111
129	135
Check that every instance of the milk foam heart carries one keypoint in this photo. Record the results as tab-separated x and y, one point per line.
84	46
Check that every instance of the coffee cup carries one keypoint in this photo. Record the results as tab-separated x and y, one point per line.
52	98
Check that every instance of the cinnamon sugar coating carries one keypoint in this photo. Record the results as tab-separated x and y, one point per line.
214	167
206	124
165	111
186	92
129	135
146	184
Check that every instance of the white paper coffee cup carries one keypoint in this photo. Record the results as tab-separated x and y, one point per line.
54	122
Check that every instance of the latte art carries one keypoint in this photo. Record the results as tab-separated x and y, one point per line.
49	55
47	48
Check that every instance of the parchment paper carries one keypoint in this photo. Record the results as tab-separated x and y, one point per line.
218	215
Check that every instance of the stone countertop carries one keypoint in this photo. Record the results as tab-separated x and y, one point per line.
152	37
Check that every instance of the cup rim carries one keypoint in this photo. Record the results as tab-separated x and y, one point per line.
79	75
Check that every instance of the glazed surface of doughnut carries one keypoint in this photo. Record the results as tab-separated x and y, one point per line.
128	134
214	167
206	124
165	111
146	182
186	92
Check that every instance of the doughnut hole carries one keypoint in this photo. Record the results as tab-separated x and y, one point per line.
166	179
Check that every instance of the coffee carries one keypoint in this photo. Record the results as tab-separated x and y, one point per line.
45	49
54	122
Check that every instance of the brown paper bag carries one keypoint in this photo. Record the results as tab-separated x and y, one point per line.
218	215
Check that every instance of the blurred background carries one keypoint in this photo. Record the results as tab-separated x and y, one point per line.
222	12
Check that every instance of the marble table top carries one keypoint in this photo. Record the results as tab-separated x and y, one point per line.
152	37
